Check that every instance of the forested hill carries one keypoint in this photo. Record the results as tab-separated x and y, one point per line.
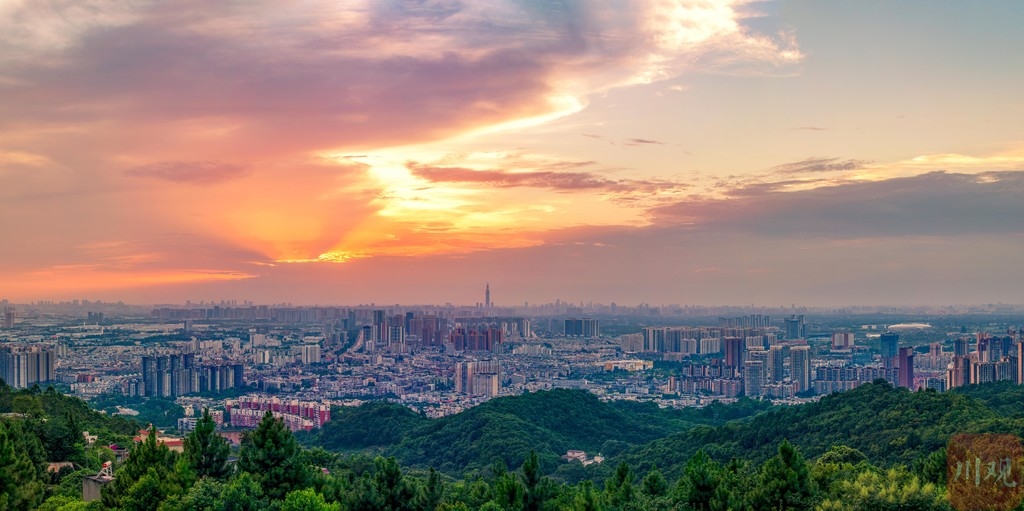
891	426
507	428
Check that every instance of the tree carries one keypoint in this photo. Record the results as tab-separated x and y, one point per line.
395	491
586	499
894	489
243	493
307	500
619	487
536	487
145	494
654	483
700	478
206	451
145	455
20	486
734	487
205	495
432	492
784	482
271	455
508	492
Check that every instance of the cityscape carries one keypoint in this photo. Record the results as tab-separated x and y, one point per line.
300	361
511	255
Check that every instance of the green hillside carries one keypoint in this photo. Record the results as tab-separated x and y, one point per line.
876	447
507	428
372	425
891	426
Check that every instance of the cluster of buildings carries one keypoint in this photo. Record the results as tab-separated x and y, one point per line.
995	358
177	374
24	366
296	362
247	412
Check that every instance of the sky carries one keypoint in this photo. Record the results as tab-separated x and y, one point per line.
822	153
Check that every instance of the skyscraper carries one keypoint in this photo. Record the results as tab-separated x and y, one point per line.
776	364
1020	363
958	373
842	340
800	367
487	296
794	327
735	353
24	367
8	317
753	378
905	363
380	325
889	342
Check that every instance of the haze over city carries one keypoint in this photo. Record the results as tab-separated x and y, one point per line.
819	153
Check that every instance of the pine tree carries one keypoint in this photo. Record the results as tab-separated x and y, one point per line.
395	491
145	455
536	487
145	494
654	483
432	492
586	498
20	487
619	487
270	454
206	451
243	493
784	482
700	478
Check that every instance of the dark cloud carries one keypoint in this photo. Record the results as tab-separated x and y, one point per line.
642	141
550	179
933	204
819	165
194	172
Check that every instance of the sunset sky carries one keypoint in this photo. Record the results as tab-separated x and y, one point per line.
357	151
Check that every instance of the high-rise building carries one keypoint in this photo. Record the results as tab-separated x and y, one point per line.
1020	362
776	364
380	325
889	343
487	296
481	339
842	340
800	367
753	378
654	339
8	317
735	353
586	328
178	375
24	367
478	377
794	327
905	363
958	372
960	347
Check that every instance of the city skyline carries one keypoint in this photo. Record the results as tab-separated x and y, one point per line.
829	154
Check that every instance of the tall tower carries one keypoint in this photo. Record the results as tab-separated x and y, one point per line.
905	364
889	345
487	296
800	367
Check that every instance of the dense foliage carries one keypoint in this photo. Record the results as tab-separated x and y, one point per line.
548	423
874	448
891	426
